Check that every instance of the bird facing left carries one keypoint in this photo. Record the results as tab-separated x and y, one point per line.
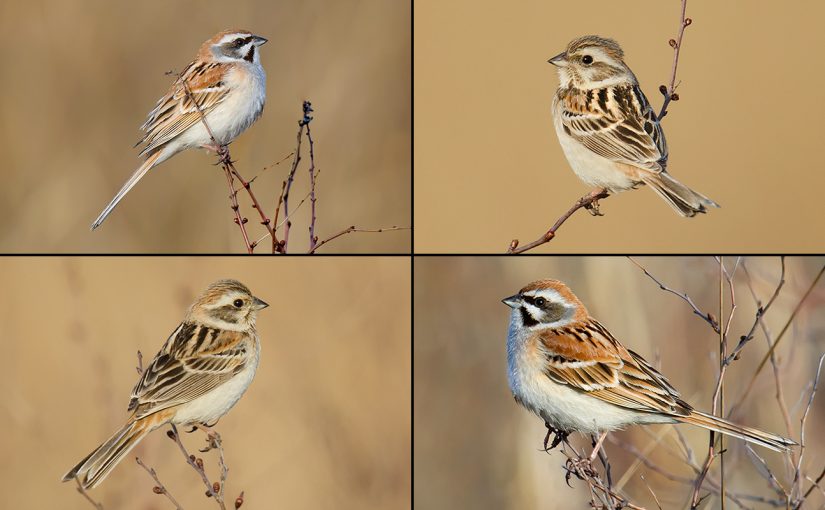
228	84
202	370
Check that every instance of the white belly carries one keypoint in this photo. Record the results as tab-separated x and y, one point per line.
208	408
591	168
243	105
560	405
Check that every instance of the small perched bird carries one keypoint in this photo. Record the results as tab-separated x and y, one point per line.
229	84
569	370
201	371
607	128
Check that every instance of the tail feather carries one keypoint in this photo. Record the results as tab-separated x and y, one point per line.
150	162
766	439
684	200
97	465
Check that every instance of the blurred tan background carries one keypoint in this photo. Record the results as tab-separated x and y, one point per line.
80	78
745	132
325	424
476	448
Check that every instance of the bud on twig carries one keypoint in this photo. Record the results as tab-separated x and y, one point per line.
239	501
672	43
157	490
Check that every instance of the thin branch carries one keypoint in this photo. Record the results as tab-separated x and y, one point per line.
767	356
669	92
352	229
304	122
797	481
707	317
197	465
159	488
85	494
313	239
589	202
760	312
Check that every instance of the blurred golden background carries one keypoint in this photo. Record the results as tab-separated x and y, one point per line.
476	448
325	424
80	78
745	131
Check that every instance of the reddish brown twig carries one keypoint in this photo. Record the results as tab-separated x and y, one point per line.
159	488
669	92
352	229
589	202
313	239
213	490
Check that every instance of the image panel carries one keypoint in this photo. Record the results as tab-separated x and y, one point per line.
594	382
251	119
302	368
670	108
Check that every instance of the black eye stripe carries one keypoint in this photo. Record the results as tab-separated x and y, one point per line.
529	299
526	318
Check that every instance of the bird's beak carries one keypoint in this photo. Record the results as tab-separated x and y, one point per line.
259	41
512	301
258	304
558	60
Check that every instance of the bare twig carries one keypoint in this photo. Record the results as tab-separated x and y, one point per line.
707	317
313	239
778	338
85	494
760	312
797	477
159	488
197	465
669	92
589	202
303	123
352	229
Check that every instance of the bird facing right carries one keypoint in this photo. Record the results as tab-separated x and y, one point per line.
228	83
607	129
202	370
570	371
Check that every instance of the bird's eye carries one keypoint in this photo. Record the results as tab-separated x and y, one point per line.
238	43
540	301
238	303
587	60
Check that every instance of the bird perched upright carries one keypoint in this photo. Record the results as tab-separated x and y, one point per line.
569	370
202	370
229	84
607	129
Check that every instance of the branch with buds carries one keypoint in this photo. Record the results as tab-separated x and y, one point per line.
590	201
271	225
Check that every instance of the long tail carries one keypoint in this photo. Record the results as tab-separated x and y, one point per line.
766	439
151	161
97	465
683	199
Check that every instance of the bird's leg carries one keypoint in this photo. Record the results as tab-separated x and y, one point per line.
558	437
597	445
213	439
591	200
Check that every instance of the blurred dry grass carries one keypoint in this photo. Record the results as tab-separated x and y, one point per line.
79	78
476	448
325	424
743	132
